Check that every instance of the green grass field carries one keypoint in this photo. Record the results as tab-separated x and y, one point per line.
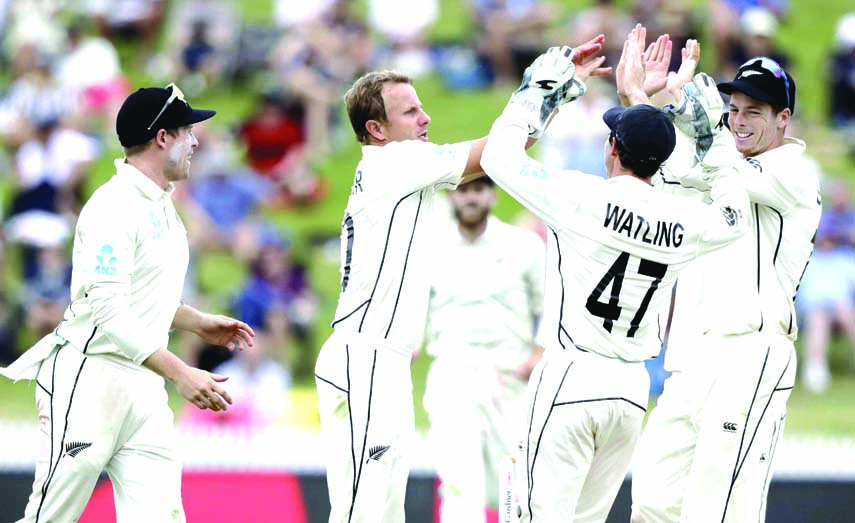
457	115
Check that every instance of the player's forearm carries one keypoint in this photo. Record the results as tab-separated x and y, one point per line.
166	364
504	153
186	318
473	164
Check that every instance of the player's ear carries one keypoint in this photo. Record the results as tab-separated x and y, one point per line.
375	129
783	118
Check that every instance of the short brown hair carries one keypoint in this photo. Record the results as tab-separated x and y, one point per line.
143	147
364	100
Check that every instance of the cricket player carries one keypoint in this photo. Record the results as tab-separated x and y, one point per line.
707	450
615	249
485	302
100	374
363	370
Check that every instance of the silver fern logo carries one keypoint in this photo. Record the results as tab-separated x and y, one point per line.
377	452
73	448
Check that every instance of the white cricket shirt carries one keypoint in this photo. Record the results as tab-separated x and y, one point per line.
129	261
486	296
614	249
750	285
385	247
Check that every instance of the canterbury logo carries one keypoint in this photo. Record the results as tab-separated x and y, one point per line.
377	452
754	162
728	426
73	448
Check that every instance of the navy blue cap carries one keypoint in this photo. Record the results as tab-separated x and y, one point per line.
645	132
141	108
763	79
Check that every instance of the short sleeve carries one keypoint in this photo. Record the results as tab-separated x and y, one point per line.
425	164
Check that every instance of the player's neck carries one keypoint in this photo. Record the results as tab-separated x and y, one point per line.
149	168
620	171
472	232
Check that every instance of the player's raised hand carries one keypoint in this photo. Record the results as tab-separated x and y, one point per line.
629	75
224	331
690	56
587	61
656	59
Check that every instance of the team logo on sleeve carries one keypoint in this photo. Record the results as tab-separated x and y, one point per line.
106	262
731	215
533	169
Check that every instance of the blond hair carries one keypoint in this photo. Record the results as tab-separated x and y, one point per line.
364	100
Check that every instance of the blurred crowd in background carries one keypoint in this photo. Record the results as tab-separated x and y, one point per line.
63	81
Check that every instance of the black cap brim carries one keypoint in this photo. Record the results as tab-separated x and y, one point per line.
747	88
612	116
198	115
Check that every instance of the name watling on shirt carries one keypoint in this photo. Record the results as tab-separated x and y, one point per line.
637	227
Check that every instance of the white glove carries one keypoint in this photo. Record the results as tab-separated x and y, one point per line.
547	83
699	116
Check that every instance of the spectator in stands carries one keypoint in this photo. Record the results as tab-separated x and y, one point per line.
34	96
50	168
511	33
316	62
8	335
258	385
137	20
842	82
202	42
275	144
44	296
277	283
604	17
89	68
222	199
34	27
758	27
404	27
676	18
827	289
725	19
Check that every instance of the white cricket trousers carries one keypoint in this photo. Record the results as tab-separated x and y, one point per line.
95	416
476	415
585	417
365	400
706	453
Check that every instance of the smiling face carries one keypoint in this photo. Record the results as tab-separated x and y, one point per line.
178	154
405	118
755	125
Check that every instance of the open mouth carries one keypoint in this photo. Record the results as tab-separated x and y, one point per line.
742	135
423	136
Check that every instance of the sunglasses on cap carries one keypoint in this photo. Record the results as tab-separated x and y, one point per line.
176	95
773	67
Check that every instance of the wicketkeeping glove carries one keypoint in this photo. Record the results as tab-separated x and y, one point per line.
699	116
547	83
